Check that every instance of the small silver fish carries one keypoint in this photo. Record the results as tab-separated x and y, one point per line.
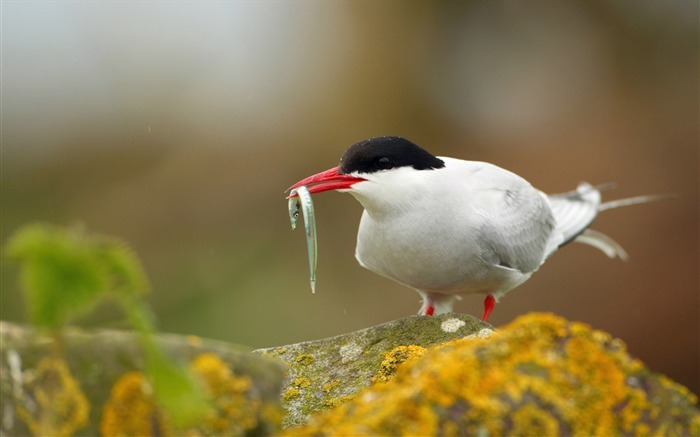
307	208
293	206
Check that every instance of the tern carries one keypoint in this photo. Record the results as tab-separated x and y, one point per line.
448	227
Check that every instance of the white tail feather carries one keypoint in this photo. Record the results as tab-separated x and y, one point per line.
574	211
603	243
632	201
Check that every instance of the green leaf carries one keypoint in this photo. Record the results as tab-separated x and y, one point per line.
59	274
125	273
64	271
181	396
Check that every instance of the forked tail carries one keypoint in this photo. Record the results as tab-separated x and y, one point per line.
575	211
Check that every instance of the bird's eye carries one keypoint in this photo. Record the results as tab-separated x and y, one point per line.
384	163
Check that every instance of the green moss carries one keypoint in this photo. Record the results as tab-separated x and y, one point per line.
336	368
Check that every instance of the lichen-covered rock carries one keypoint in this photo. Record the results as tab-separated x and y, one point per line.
94	386
325	373
540	375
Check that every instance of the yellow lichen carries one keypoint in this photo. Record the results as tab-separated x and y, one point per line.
695	425
61	406
531	420
305	359
334	402
131	409
291	393
193	340
271	413
539	376
330	386
234	411
394	358
301	382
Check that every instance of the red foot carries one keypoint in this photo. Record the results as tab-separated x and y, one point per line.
489	303
430	310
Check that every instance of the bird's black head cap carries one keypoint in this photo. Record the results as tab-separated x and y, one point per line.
384	153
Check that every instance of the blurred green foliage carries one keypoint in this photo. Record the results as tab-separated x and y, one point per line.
64	272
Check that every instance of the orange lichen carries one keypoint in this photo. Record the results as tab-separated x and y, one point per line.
131	409
531	420
61	406
394	358
541	375
234	411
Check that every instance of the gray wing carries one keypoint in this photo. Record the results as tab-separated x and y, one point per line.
575	211
518	228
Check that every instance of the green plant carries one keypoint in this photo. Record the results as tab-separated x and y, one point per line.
64	272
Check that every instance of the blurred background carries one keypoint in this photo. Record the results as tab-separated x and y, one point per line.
177	126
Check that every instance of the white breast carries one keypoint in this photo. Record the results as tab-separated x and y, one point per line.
467	228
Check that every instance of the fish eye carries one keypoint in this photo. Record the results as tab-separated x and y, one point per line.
384	163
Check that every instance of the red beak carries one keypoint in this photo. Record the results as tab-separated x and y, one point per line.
326	181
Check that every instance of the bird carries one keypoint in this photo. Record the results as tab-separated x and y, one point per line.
448	228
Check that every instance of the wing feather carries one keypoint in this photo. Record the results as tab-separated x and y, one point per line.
517	229
574	211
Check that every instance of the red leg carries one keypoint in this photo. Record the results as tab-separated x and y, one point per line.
489	303
427	309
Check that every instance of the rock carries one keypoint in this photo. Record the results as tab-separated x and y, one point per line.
94	386
325	373
540	375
